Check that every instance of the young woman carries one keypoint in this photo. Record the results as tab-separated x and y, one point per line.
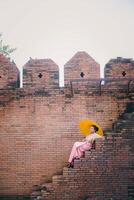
79	148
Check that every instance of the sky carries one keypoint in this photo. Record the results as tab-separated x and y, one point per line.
57	29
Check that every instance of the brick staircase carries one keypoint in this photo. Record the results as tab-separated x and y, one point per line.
106	172
125	121
125	125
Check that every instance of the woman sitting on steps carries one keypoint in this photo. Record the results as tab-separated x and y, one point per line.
79	148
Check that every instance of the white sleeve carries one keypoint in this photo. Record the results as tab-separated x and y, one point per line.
89	138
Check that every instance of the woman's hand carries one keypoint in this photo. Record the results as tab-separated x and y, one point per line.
84	140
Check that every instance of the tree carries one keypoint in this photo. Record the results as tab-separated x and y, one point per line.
5	49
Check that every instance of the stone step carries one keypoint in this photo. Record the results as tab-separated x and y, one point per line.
111	134
128	116
122	130
47	186
90	153
67	171
120	124
131	192
36	188
125	121
45	195
58	179
35	195
129	107
47	189
127	133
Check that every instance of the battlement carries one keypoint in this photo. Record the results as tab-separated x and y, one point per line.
82	76
81	66
9	73
122	60
41	73
119	67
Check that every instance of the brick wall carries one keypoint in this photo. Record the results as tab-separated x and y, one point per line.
39	122
81	66
119	68
101	175
9	73
41	73
37	130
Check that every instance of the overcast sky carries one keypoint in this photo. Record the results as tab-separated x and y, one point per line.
57	29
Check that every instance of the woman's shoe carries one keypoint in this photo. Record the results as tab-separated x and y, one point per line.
77	158
70	165
83	156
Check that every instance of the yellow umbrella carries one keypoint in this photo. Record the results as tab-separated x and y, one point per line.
85	124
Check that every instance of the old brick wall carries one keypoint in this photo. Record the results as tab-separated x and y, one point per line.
9	73
101	175
119	68
39	122
81	66
41	73
37	130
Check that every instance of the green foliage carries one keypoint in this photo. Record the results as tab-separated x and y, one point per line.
5	49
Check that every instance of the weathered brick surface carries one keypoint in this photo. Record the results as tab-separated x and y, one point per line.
119	68
37	133
39	125
41	73
9	73
101	175
81	66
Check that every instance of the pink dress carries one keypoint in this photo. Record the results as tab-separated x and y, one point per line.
80	147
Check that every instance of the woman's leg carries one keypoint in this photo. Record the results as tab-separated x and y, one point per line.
80	150
85	147
76	152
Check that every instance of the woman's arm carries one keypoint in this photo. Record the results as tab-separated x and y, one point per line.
91	141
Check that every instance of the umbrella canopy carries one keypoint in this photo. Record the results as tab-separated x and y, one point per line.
85	124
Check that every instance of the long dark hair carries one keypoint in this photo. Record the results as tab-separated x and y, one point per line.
95	128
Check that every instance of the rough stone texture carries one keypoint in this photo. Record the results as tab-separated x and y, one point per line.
9	73
41	73
81	66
